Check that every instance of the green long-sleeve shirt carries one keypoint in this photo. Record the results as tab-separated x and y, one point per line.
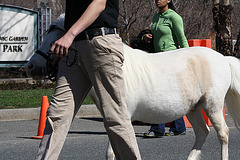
168	31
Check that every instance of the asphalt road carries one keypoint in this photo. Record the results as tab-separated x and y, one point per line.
87	140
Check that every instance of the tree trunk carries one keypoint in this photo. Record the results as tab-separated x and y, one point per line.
236	51
222	13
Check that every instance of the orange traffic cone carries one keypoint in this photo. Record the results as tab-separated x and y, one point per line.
43	117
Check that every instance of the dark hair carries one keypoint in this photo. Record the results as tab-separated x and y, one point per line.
171	5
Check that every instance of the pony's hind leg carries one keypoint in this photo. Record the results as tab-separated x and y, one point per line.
201	131
110	154
216	117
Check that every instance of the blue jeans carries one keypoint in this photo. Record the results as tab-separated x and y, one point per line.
178	126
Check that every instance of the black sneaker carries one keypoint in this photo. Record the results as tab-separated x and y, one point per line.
171	133
152	134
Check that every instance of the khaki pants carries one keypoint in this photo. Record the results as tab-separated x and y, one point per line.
101	61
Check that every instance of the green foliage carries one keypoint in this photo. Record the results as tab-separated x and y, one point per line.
26	98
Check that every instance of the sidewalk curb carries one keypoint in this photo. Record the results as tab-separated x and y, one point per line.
22	80
34	113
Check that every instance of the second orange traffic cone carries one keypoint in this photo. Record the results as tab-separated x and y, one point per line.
43	117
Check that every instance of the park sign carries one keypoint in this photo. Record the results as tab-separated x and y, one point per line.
18	35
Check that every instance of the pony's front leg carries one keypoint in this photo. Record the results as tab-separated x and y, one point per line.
110	154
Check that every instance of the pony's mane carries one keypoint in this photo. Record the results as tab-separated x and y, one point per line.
137	67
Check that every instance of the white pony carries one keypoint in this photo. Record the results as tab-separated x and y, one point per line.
165	86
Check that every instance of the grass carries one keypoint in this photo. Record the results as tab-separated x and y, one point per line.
11	99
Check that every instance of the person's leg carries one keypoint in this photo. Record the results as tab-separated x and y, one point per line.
71	89
104	66
156	131
178	127
158	128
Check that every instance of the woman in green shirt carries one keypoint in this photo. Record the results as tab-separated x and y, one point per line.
167	34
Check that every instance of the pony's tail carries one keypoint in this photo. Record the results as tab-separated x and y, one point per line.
232	100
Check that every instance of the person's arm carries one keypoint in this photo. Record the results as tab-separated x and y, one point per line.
178	30
61	46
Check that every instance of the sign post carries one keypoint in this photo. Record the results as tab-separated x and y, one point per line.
18	35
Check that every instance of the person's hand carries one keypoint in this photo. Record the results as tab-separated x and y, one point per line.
147	38
60	47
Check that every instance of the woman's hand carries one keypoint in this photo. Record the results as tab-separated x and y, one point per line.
147	38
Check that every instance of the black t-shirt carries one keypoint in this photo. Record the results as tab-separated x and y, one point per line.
108	18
